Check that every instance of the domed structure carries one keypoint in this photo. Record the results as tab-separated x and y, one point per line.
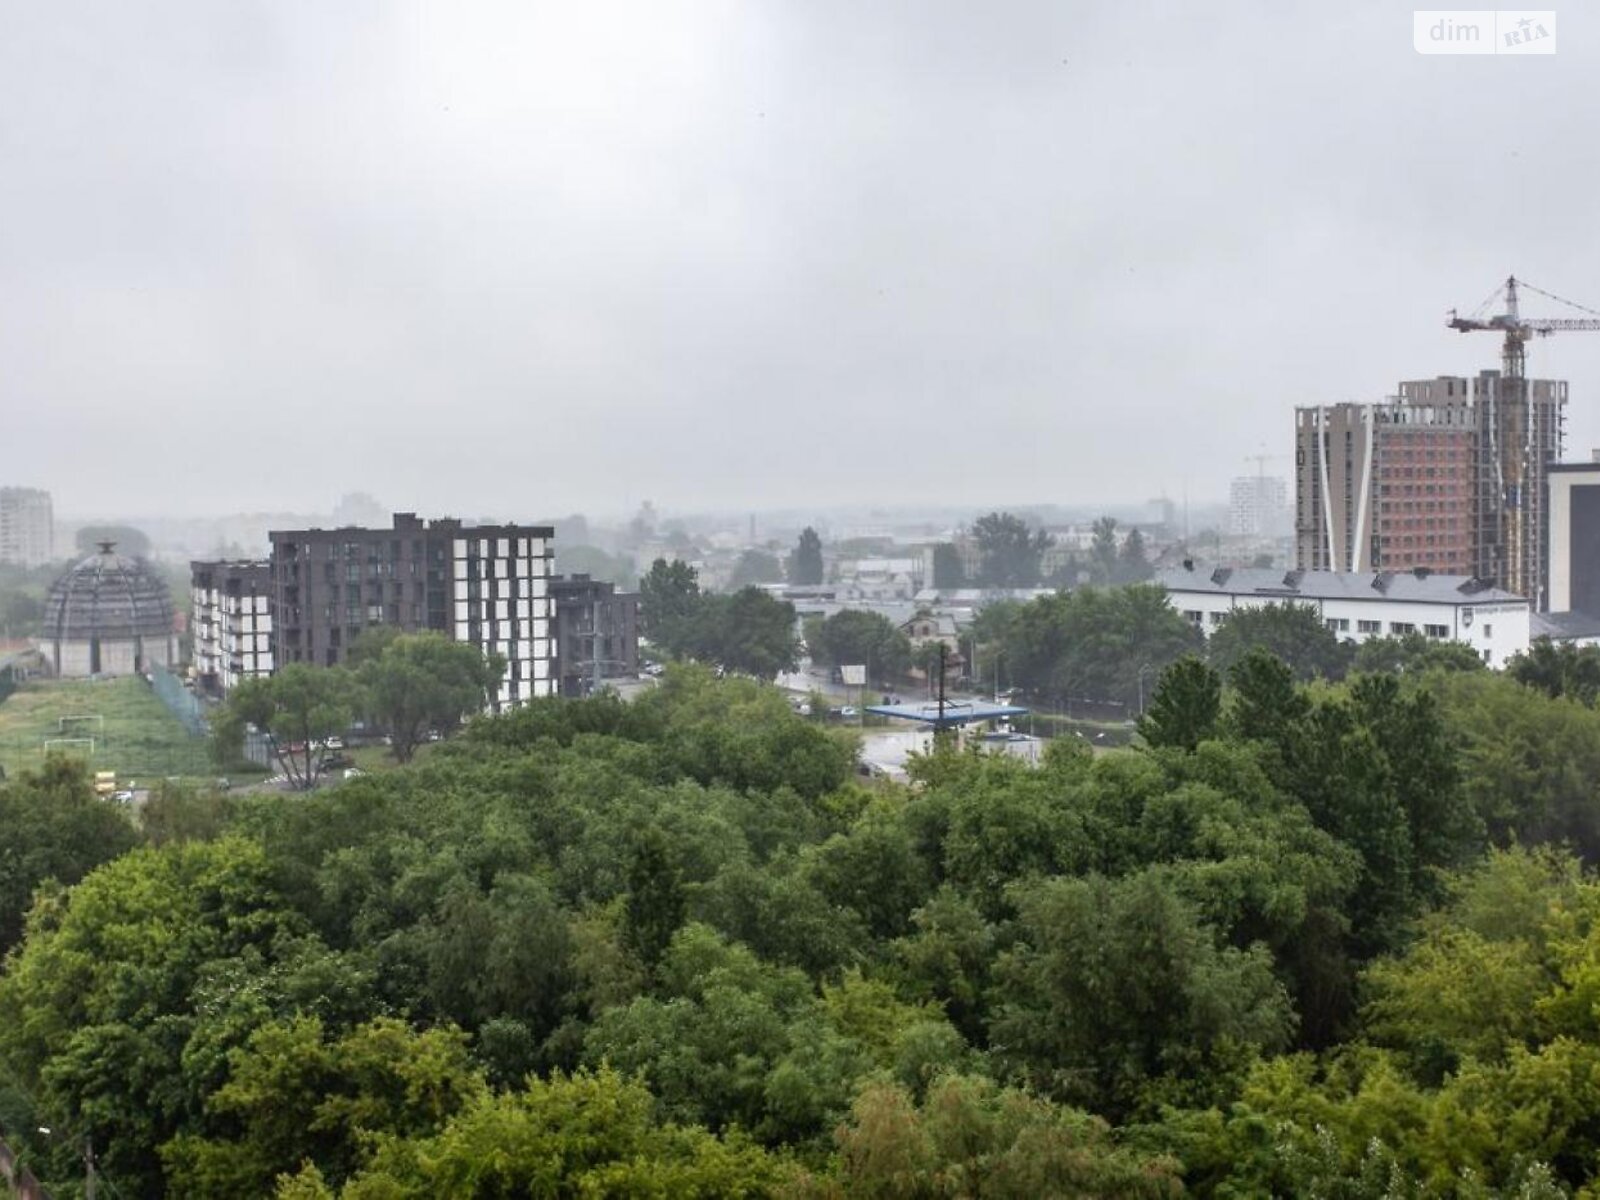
108	615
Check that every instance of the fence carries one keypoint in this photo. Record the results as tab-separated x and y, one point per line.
180	701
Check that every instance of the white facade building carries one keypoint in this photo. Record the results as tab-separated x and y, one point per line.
1357	607
1258	506
501	604
231	622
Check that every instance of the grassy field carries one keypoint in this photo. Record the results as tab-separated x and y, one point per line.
138	738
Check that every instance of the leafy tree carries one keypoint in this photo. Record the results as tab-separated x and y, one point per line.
1118	996
294	1096
1186	706
1414	654
971	1137
298	707
1103	559
1265	704
749	632
655	902
1527	761
586	1134
668	597
805	564
1093	642
1009	552
1564	670
1293	632
425	681
371	644
135	974
948	571
756	566
52	827
1133	566
868	638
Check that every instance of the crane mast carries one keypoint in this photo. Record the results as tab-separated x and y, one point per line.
1519	435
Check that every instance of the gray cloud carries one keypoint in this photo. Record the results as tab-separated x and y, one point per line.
527	258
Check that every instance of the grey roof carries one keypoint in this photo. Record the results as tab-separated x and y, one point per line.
1563	626
1414	586
108	596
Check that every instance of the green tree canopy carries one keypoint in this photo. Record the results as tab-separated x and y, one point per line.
867	638
756	566
948	571
52	827
668	597
298	707
1187	703
1293	632
425	681
805	564
1010	553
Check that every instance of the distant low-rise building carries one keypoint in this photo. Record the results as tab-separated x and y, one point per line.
1359	606
231	622
597	632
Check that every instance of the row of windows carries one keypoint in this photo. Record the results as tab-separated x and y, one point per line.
1342	625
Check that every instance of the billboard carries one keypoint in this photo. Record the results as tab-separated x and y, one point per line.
854	676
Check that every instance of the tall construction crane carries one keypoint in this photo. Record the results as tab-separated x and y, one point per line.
1517	328
1519	423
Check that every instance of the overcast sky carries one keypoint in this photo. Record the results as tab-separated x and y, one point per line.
524	258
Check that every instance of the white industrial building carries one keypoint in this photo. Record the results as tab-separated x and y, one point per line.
1495	623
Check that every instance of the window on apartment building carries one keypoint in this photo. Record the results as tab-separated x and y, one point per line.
1338	624
1488	631
1400	627
1436	631
1369	626
1193	617
375	614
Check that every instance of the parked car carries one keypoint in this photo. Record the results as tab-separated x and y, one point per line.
335	762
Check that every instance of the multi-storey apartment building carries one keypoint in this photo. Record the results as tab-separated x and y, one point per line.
27	527
1450	475
597	632
231	622
1258	506
487	585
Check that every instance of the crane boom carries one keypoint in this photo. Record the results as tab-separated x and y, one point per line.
1517	328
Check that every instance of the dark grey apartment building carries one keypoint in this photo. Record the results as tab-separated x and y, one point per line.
487	585
597	631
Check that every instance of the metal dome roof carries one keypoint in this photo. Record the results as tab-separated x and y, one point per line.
108	596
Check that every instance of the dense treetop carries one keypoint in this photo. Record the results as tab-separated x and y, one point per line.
1328	939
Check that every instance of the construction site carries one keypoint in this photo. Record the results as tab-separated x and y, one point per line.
1449	474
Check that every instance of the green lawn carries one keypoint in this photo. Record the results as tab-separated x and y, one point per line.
138	738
